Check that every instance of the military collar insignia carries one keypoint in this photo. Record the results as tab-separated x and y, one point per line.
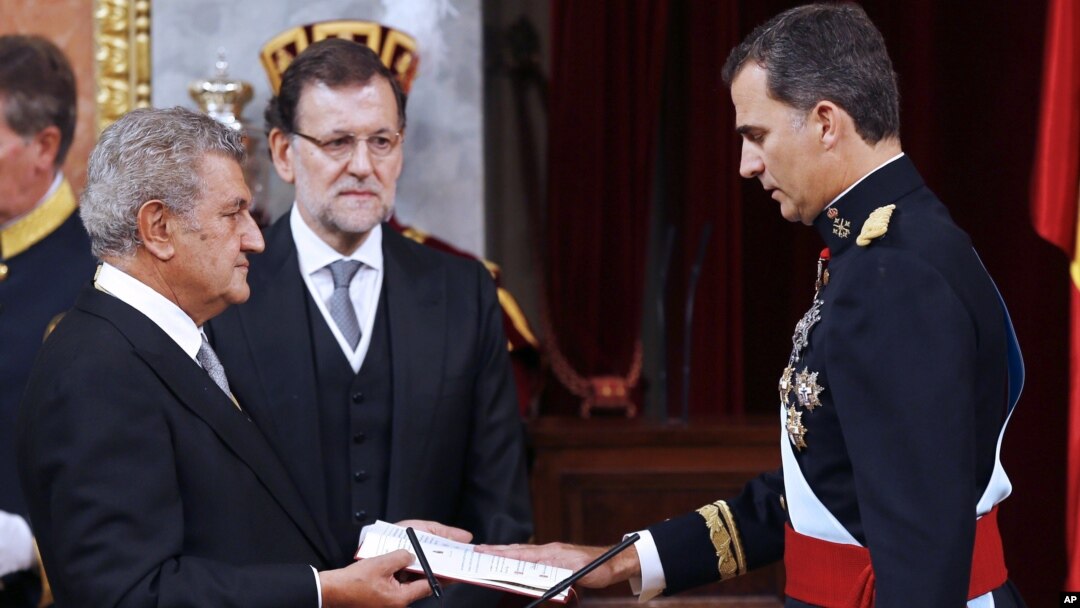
43	220
840	226
876	225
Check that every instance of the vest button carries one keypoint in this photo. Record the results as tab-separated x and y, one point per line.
358	397
360	475
360	515
359	438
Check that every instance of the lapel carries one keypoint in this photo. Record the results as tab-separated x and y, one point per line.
415	287
197	392
276	325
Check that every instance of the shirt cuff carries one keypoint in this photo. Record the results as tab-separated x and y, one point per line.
318	585
16	544
652	581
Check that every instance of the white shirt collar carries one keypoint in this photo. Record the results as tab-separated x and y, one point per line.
159	309
314	254
859	181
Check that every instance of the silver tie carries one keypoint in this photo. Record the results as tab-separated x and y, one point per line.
209	361
340	304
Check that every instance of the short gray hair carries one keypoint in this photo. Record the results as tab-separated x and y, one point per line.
148	154
826	52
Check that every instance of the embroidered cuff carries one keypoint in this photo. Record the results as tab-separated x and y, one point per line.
725	538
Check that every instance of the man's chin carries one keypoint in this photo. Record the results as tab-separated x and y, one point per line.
239	295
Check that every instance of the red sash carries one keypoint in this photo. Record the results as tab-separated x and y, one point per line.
835	575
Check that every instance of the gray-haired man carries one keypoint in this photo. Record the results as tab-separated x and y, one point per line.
148	484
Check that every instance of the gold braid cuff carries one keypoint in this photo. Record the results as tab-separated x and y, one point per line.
725	539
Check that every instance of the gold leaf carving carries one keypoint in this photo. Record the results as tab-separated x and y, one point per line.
122	58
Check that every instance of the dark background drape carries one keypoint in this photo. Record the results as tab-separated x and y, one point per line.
607	59
969	77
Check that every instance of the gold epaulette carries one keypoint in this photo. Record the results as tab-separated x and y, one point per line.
725	538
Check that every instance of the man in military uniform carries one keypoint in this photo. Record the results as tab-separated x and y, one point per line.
902	373
44	260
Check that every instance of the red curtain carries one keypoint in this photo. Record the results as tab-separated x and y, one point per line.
702	188
607	59
1055	187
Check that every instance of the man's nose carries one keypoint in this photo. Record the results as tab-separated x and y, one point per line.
252	239
360	161
750	165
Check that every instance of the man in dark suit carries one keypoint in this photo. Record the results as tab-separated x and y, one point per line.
147	483
903	373
377	367
44	261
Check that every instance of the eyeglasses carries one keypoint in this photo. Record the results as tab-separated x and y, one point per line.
342	147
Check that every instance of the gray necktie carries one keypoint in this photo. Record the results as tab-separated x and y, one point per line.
340	304
209	361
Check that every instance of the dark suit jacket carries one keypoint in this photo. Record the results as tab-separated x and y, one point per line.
146	486
910	354
458	450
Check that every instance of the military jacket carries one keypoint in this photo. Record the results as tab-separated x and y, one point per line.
892	403
44	262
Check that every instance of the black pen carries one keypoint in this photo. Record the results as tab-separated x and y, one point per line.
436	589
589	567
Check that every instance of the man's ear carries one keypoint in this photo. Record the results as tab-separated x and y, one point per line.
157	225
46	147
282	152
827	119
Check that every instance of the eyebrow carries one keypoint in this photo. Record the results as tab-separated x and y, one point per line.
746	129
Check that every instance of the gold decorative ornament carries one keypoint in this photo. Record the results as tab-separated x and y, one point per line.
396	49
724	535
795	429
785	384
121	58
807	389
876	225
3	272
52	325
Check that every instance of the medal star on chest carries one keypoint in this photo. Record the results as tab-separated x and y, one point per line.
795	430
807	389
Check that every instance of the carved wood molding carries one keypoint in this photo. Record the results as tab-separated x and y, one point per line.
121	58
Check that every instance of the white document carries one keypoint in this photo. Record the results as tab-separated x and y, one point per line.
460	561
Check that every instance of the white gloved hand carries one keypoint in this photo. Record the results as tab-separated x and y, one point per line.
16	544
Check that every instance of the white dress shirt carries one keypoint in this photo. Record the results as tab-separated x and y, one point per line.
314	255
653	581
156	307
166	315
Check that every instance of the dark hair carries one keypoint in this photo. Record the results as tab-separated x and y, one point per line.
335	62
38	89
826	52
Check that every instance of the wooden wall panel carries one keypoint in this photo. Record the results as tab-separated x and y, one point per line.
69	24
595	480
